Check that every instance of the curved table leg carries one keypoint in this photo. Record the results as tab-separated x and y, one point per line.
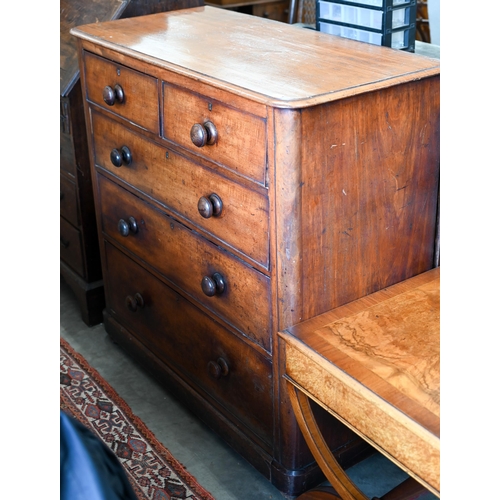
314	439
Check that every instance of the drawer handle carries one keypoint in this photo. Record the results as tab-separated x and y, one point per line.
219	368
135	302
205	134
210	206
213	285
125	227
121	156
113	94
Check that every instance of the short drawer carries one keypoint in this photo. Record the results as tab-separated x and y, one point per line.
129	93
69	205
215	278
196	346
71	246
240	142
183	186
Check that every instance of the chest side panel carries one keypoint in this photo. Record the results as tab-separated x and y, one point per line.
369	189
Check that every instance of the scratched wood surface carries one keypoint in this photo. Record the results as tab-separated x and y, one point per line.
272	61
376	364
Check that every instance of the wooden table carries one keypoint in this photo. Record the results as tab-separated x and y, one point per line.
373	364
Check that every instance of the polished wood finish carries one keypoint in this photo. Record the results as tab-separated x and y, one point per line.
163	242
374	364
347	69
139	102
79	250
238	130
166	321
324	154
178	183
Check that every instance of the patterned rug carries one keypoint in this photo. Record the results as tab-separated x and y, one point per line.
153	472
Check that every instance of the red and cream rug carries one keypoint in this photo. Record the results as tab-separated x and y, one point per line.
152	470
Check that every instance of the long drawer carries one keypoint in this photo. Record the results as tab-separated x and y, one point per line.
129	93
215	278
186	187
199	348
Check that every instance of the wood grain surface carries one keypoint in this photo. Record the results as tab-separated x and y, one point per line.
375	364
184	257
271	61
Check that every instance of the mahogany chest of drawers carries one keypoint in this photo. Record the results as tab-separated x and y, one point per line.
249	175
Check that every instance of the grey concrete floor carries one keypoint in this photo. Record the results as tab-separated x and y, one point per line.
221	471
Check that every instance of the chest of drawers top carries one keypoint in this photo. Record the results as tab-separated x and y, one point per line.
269	62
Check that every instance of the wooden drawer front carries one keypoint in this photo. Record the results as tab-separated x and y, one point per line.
187	339
69	205
71	246
241	137
140	104
185	258
179	184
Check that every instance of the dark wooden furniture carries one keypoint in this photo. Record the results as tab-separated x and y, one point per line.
374	364
423	31
80	259
237	196
277	10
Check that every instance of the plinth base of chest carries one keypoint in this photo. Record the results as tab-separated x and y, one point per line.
90	296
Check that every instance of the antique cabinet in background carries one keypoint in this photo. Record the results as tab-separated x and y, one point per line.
80	260
277	10
248	176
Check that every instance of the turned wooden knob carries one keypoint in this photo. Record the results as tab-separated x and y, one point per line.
210	206
219	368
205	134
134	302
113	94
121	156
213	285
125	227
